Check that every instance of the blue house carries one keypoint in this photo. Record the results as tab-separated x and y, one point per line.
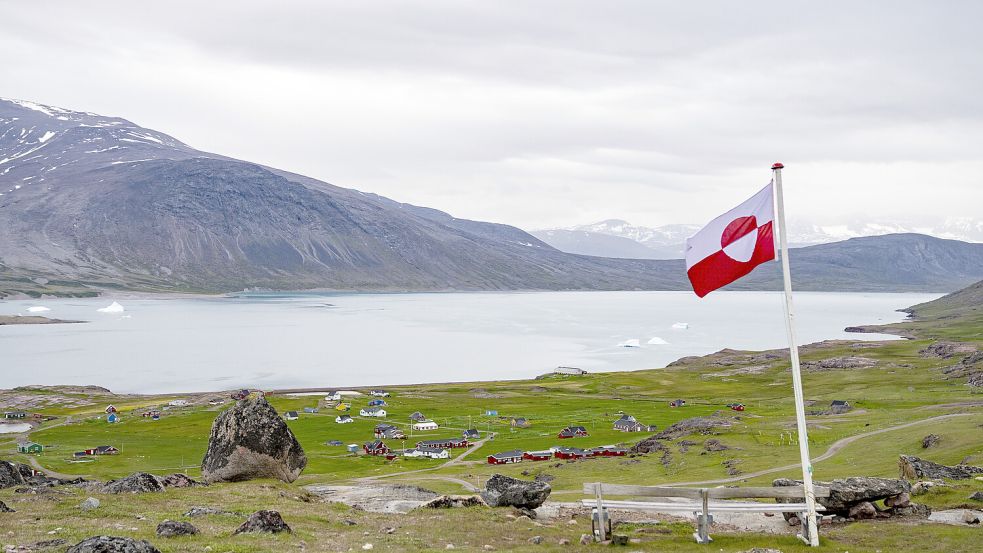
377	403
491	413
112	418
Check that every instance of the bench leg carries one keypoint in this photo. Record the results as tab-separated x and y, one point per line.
601	523
703	522
807	531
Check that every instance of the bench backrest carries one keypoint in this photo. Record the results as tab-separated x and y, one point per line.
776	492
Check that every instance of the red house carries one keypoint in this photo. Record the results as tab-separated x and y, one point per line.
736	406
538	455
376	448
505	458
570	453
573	432
608	451
444	443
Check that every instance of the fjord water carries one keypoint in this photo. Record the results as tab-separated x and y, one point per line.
314	340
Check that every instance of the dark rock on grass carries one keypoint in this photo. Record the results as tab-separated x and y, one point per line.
171	528
543	477
42	545
913	510
454	501
847	492
931	440
250	440
264	521
196	511
10	475
5	509
862	511
977	496
849	362
695	425
89	504
111	544
714	445
913	468
503	491
138	482
944	350
178	480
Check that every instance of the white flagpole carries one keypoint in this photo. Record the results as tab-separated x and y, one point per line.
809	526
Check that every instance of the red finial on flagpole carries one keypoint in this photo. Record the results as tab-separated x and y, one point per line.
777	165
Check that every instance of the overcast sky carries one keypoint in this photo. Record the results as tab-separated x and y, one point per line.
544	114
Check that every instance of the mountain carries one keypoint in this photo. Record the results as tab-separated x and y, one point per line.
603	245
93	201
90	202
667	241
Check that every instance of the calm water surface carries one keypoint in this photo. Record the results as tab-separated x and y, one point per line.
307	340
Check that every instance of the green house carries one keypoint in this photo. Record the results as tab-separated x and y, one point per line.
30	447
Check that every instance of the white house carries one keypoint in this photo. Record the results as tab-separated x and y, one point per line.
179	403
372	412
425	425
291	415
343	419
379	393
333	396
428	452
569	370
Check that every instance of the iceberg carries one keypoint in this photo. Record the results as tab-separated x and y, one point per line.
633	343
656	341
112	308
38	309
680	326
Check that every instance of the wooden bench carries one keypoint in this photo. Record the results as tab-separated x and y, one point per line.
698	503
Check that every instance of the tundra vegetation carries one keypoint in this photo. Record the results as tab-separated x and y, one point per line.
899	392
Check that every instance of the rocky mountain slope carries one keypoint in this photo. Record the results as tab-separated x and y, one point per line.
91	202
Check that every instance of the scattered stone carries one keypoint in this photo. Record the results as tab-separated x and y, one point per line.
5	509
847	492
536	540
349	522
923	486
449	546
178	480
900	500
849	362
572	522
503	491
171	528
367	546
912	468
543	477
263	521
389	530
250	440
862	511
563	541
978	496
587	539
138	482
931	440
196	511
487	547
944	350
714	445
112	544
38	546
970	517
762	550
454	501
89	504
912	510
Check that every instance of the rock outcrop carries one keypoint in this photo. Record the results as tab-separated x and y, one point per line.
5	509
112	544
250	440
138	482
931	440
848	494
171	528
264	521
454	501
503	491
913	468
10	475
178	480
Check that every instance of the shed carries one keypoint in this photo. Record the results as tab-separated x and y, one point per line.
418	417
425	425
519	422
310	410
573	432
472	434
627	423
677	403
372	412
491	413
112	417
839	406
344	419
353	448
291	415
29	447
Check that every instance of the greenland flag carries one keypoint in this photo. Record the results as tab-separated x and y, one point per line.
733	244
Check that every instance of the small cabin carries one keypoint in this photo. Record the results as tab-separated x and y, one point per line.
377	403
15	415
418	417
538	455
344	419
343	407
310	410
352	448
425	426
110	409
839	406
505	458
491	413
443	443
240	395
472	434
379	393
519	422
627	423
736	406
31	448
574	371
677	403
291	415
333	396
112	418
570	453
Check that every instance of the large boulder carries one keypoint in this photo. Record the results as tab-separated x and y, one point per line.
848	492
250	440
503	491
138	482
264	521
10	475
112	544
178	480
913	468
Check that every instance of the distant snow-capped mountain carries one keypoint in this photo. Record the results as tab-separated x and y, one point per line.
666	241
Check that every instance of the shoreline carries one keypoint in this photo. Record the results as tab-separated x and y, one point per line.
10	320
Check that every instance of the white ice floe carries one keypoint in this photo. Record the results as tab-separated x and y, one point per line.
112	308
38	309
633	343
680	326
656	341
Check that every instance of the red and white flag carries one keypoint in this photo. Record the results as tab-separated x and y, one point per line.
733	244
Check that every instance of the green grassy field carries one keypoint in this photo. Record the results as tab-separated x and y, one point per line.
901	398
